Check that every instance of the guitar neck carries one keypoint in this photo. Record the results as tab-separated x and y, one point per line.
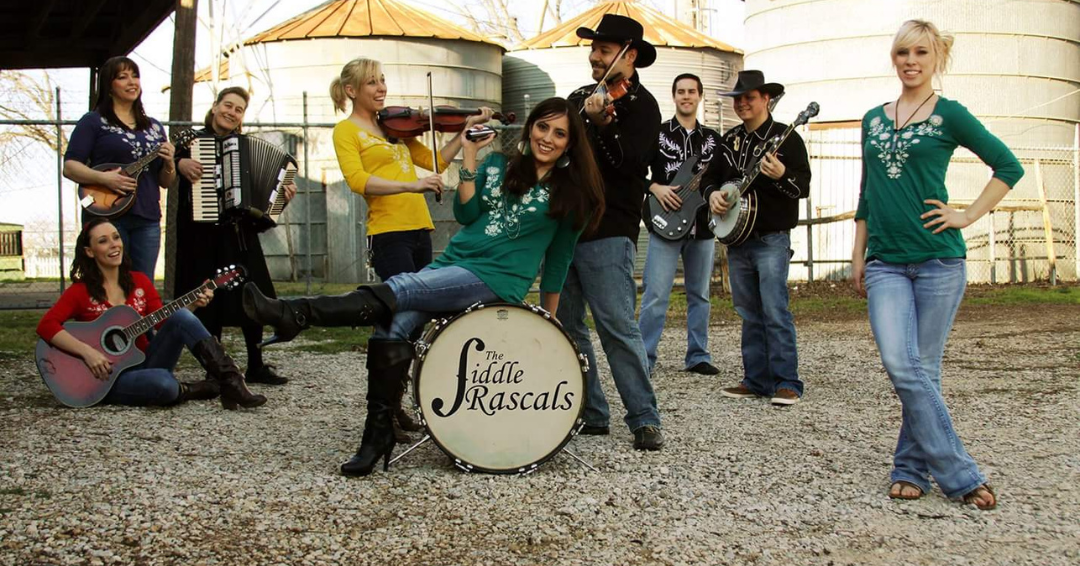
774	144
138	166
149	321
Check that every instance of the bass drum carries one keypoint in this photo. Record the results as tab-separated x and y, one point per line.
500	387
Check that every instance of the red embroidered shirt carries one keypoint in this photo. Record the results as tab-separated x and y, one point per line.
76	303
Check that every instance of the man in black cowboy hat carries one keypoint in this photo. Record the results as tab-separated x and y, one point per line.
602	272
758	267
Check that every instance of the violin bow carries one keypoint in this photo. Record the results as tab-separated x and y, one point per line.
434	143
603	79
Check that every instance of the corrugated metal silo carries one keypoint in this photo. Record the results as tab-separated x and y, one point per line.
555	62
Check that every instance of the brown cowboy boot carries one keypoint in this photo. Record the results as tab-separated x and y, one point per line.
212	357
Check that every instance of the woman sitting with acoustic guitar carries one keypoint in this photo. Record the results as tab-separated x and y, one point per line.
101	277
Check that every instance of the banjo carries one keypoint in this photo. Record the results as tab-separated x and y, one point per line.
734	226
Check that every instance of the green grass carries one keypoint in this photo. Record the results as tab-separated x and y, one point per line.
18	333
1023	295
18	337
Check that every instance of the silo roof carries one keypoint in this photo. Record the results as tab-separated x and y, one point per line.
660	30
365	18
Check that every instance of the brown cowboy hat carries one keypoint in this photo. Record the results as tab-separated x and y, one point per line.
620	29
754	80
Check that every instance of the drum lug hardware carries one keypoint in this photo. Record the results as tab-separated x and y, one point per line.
421	350
584	363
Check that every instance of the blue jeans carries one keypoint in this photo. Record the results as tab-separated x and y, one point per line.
428	292
759	273
152	382
661	262
912	308
400	252
601	276
142	241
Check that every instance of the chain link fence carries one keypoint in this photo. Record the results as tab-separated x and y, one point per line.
1029	236
321	235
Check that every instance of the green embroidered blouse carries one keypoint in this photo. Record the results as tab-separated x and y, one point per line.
901	169
504	238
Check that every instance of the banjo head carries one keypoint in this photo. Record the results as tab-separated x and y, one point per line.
723	225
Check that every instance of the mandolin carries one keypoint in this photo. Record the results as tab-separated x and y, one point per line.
99	200
113	334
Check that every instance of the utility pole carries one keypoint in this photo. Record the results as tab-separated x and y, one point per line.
183	80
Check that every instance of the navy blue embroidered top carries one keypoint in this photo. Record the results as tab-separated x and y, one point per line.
96	141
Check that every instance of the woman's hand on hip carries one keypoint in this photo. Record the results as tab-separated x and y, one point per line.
946	217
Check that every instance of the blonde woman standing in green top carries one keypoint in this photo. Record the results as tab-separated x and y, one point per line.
516	211
909	256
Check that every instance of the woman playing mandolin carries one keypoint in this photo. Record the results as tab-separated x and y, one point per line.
102	277
381	167
119	131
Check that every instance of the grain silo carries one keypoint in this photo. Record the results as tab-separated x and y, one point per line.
1016	66
555	62
304	54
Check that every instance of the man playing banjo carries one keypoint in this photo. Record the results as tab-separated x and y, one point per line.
759	263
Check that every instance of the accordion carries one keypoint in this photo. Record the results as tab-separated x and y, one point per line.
243	179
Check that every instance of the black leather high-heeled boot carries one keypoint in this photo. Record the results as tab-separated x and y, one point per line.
366	306
387	359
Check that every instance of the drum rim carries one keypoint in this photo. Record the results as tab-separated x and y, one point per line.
433	334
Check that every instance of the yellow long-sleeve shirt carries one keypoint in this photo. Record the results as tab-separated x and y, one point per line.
362	155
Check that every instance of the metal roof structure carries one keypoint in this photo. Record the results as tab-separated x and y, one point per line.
54	34
365	18
660	30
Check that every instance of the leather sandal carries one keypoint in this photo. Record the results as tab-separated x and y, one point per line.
973	496
899	494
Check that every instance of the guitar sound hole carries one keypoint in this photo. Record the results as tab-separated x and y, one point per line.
114	341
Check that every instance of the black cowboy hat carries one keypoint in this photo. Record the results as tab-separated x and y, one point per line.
620	29
754	80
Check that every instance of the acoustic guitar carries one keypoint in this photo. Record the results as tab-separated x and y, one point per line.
734	226
99	200
113	334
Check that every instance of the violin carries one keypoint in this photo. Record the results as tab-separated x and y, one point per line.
406	122
613	89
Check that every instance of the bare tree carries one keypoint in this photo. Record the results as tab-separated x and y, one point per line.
24	97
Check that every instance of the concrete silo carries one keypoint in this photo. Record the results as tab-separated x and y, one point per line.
1016	66
304	54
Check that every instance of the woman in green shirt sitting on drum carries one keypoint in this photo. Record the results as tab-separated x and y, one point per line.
516	211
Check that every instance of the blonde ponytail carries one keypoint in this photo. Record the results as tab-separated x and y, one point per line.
353	74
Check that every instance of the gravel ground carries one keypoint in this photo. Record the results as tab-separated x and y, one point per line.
739	482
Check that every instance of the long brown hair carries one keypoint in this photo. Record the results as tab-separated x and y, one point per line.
577	190
238	91
106	75
85	270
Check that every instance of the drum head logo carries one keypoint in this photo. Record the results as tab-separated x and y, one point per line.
500	388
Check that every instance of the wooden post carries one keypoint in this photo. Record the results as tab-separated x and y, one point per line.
993	248
1049	230
183	80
